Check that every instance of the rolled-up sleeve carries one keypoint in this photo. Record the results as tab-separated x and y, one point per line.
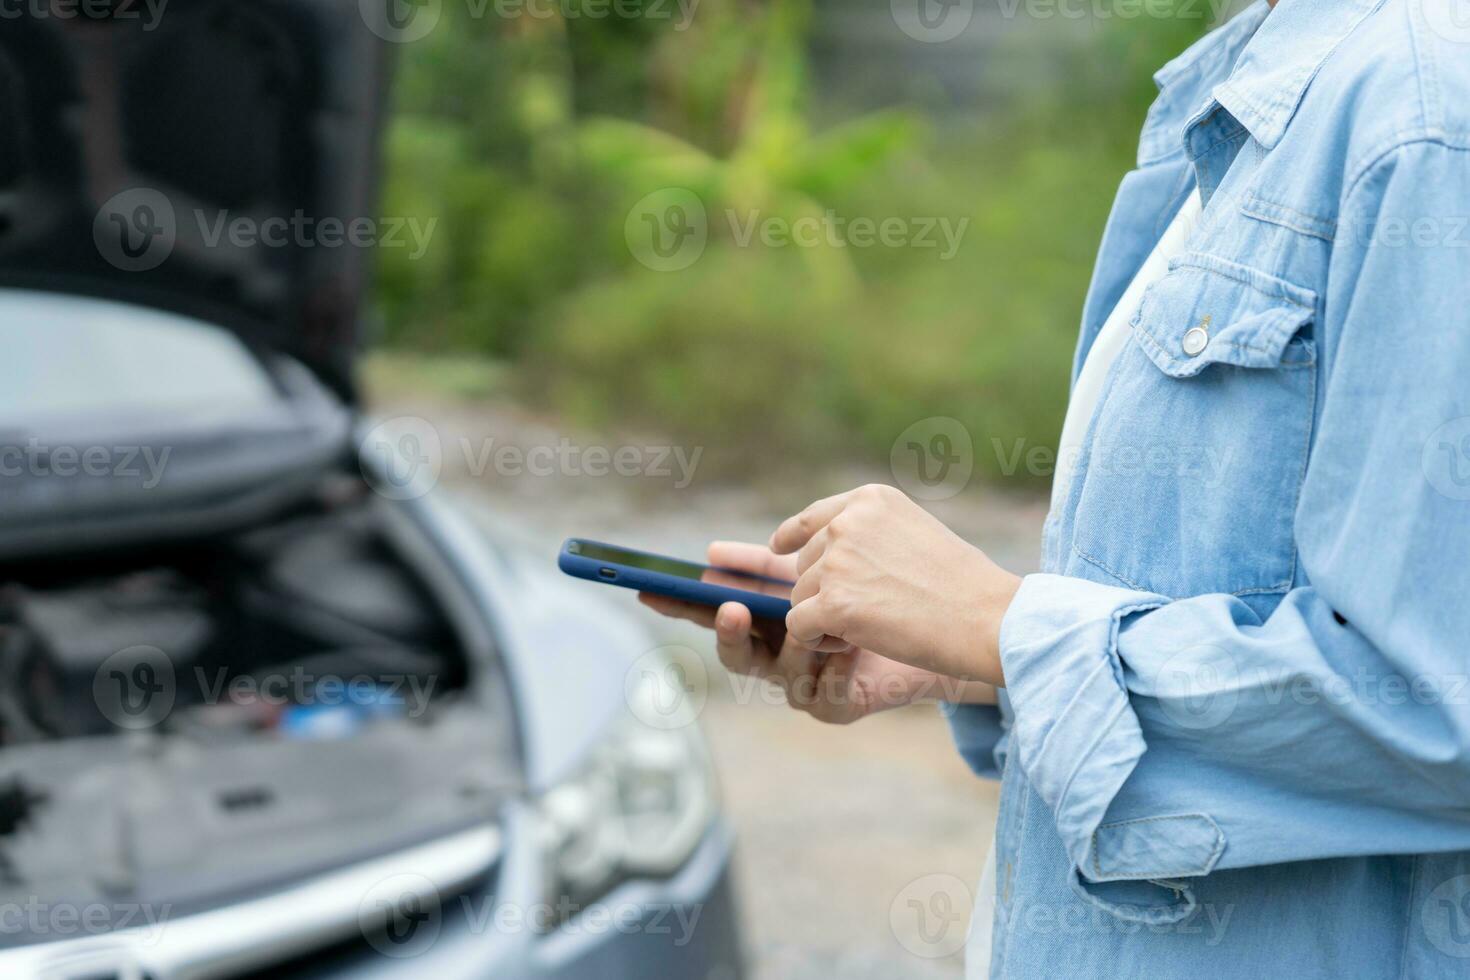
1174	737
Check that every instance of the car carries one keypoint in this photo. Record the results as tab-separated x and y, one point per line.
271	703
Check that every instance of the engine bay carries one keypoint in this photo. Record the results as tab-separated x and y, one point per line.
187	724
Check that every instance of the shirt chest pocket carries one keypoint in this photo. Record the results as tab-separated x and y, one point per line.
1190	477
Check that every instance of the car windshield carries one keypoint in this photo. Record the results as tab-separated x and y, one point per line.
76	356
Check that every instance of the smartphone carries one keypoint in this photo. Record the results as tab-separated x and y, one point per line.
766	598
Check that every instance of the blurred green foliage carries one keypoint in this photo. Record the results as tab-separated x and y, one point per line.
529	139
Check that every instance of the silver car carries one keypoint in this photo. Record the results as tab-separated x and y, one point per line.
269	704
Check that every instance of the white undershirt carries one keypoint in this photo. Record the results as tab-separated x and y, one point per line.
1086	393
1110	341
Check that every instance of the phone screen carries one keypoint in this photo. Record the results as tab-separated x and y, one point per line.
681	569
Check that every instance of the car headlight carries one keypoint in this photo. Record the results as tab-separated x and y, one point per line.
638	808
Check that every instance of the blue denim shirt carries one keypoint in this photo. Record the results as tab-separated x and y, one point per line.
1236	737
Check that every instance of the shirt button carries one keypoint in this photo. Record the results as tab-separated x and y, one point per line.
1195	340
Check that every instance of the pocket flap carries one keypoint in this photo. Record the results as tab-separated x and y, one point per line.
1209	310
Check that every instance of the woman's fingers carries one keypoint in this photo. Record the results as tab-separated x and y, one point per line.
806	624
808	586
754	558
739	649
831	644
744	646
830	684
811	552
810	620
678	609
797	530
797	669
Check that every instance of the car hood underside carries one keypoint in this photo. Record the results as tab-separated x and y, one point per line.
127	143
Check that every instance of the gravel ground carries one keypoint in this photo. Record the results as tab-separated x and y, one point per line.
858	846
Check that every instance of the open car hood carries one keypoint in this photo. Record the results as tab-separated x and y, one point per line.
130	146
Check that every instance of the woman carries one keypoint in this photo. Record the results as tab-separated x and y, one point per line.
1234	721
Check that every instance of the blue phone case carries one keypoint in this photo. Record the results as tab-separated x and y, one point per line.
661	583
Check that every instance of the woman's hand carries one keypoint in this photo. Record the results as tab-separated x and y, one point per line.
838	687
879	572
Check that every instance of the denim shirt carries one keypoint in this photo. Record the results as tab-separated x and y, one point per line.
1235	739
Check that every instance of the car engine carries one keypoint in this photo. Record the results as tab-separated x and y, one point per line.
236	711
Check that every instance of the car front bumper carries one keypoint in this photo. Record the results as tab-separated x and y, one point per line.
678	927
